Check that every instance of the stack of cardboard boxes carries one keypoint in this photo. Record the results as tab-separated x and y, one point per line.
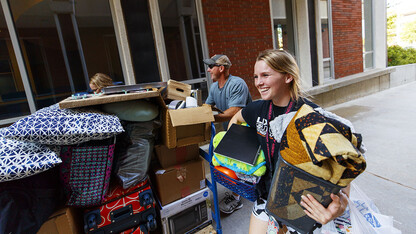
180	173
181	170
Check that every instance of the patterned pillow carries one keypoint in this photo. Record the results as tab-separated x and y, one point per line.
22	159
54	126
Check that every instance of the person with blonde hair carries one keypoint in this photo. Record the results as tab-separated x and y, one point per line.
99	81
276	77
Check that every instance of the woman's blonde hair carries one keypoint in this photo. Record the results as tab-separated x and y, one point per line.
101	80
283	62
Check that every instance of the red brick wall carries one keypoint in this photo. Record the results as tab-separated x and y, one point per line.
240	29
348	49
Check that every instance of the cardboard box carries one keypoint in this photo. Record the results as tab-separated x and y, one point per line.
170	157
67	220
179	181
207	230
177	90
187	126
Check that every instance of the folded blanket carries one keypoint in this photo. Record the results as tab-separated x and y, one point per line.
323	147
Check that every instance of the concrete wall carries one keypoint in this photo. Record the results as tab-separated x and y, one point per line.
403	74
351	87
240	29
363	84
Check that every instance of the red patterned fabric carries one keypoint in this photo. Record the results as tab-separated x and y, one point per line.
125	209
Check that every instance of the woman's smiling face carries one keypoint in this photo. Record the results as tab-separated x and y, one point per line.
272	85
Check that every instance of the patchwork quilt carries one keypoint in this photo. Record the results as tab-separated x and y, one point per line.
323	147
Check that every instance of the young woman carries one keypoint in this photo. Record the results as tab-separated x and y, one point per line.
99	81
276	76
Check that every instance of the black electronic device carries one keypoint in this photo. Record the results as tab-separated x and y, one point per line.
240	143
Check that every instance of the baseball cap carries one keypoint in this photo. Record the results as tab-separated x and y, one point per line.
218	59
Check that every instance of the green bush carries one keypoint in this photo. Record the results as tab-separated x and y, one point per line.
398	55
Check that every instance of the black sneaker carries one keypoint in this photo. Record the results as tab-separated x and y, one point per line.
229	204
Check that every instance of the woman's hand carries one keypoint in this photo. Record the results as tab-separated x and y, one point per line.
319	213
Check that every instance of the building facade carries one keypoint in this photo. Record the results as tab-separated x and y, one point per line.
50	48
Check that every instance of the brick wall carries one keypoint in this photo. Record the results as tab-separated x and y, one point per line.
240	29
347	35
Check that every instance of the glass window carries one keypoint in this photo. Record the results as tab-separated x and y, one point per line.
13	101
63	44
183	42
182	39
283	25
367	33
141	43
326	34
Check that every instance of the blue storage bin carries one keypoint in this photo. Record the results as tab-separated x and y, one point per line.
248	191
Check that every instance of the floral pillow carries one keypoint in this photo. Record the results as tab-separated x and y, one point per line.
54	126
22	159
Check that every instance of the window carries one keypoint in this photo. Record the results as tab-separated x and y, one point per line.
368	53
283	25
13	100
63	43
326	30
183	43
182	39
140	38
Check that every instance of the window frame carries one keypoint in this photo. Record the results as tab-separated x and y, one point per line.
372	36
20	61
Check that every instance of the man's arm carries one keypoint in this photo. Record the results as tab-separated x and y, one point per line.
227	115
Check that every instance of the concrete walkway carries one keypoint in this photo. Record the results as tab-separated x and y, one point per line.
387	121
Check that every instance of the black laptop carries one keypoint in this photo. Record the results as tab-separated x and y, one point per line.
240	143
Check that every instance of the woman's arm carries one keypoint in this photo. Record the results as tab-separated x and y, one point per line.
319	213
236	119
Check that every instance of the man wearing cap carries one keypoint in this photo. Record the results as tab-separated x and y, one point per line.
229	94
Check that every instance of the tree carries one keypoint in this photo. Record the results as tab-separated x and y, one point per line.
400	56
391	29
409	32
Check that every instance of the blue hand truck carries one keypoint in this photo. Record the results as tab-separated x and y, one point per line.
243	189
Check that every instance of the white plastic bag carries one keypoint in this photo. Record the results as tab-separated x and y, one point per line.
365	216
328	228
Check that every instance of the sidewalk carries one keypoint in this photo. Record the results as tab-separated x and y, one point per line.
387	121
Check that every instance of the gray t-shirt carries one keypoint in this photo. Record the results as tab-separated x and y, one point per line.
234	93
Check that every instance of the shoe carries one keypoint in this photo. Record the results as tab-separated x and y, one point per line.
229	204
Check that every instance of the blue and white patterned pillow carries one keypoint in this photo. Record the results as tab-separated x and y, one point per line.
54	126
22	159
